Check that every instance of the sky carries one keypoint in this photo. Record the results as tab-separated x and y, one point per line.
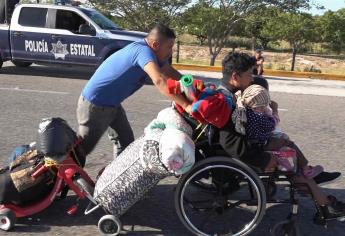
332	5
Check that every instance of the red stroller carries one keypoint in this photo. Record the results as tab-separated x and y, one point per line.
67	169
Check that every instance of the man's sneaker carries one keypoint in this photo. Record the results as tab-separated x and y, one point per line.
335	210
326	177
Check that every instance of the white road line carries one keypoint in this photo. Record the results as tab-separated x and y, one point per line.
33	91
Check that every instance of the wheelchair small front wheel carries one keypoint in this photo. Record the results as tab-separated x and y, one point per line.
286	228
231	200
109	225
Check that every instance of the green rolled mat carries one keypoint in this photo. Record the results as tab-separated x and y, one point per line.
186	80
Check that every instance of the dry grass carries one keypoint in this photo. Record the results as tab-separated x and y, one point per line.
273	60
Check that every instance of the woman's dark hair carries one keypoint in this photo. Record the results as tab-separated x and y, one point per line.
236	62
259	80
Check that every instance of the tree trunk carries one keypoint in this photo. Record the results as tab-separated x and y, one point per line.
214	49
214	55
213	59
294	52
178	52
264	43
253	43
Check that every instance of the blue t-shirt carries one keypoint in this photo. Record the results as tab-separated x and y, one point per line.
120	75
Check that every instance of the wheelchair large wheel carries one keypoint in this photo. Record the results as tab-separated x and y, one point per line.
233	203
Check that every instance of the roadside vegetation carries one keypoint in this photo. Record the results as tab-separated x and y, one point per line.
290	38
275	58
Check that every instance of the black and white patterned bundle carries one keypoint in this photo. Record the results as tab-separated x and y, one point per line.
125	180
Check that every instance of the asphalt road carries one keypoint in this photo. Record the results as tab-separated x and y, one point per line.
313	118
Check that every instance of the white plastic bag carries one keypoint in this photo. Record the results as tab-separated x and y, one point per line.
177	150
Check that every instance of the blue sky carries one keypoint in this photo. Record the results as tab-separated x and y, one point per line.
332	5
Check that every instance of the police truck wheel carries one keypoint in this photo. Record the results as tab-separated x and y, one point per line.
7	219
22	63
109	225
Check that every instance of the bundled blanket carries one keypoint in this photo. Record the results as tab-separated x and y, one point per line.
210	105
165	148
176	148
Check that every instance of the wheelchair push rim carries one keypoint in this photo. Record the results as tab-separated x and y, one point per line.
221	203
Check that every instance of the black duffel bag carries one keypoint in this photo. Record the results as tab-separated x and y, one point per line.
56	137
16	184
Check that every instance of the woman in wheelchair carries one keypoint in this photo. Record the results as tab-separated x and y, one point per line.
225	178
258	126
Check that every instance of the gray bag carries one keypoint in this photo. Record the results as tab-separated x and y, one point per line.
125	180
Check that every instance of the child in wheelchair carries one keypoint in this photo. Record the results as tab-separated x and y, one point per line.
322	178
260	127
254	118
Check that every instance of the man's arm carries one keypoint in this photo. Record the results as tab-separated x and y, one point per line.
159	80
170	72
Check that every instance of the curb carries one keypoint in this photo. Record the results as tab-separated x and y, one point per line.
310	75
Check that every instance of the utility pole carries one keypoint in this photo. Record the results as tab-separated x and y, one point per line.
178	52
6	13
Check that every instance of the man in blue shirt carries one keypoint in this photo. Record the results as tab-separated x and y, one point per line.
117	78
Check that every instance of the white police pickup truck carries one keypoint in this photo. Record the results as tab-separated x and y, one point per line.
60	34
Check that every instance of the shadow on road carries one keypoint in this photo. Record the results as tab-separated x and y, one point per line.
56	215
155	214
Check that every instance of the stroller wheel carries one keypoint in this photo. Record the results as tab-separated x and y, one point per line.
7	219
109	225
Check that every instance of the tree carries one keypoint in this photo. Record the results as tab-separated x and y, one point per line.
142	14
208	24
217	20
295	28
255	22
332	25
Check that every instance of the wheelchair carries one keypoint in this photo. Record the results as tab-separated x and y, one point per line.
221	195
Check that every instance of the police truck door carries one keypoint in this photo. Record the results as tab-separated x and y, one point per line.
74	41
30	39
